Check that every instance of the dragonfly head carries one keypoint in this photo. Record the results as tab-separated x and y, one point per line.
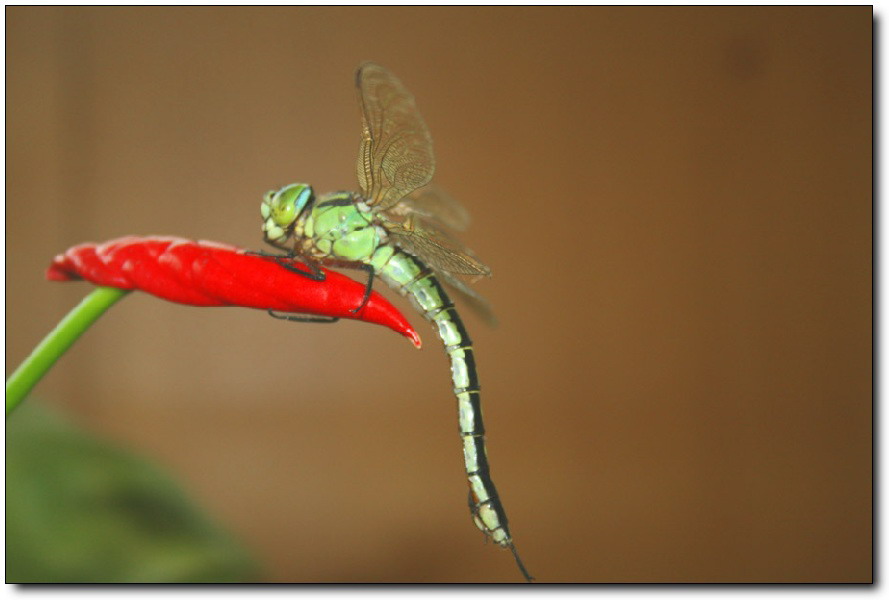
282	208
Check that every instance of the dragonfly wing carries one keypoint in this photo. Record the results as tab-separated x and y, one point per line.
473	299
395	156
437	249
432	204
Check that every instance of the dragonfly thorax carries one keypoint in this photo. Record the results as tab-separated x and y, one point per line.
282	209
338	228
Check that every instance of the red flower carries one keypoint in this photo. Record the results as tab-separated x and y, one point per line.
212	274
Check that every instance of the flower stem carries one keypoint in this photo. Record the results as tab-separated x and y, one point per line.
57	342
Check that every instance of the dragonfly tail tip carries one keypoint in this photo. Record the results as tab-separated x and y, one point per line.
528	577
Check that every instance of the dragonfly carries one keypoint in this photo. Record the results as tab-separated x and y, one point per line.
401	228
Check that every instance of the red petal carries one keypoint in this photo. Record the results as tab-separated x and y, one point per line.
212	274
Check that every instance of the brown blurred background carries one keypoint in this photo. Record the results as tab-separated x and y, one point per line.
676	203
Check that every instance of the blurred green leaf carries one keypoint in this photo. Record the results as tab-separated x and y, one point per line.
79	509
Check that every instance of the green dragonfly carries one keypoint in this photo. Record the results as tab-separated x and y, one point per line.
400	228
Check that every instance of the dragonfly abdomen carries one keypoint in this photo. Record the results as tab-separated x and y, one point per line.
412	278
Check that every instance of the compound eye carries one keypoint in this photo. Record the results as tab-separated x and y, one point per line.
289	202
283	212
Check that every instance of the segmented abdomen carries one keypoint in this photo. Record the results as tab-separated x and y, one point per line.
412	278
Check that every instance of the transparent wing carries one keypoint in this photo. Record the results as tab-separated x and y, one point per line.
435	248
395	156
432	204
472	298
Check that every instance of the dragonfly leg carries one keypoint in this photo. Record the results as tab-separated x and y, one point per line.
302	319
354	264
368	288
287	261
316	273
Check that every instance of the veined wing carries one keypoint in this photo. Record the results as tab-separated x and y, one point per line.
447	258
395	156
432	204
435	248
473	299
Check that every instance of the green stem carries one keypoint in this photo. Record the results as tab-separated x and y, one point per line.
57	342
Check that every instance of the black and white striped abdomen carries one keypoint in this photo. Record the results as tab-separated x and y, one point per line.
411	278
